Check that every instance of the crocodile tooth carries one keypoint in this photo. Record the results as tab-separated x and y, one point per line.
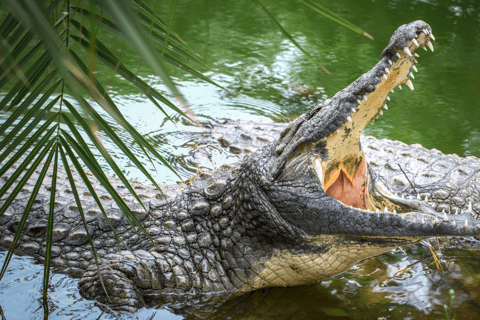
400	86
394	211
409	84
392	91
387	71
416	43
411	75
408	51
377	211
426	31
398	55
415	60
424	48
430	45
416	55
349	119
445	218
385	210
414	68
390	62
380	112
359	102
337	130
385	106
365	97
418	196
466	223
431	36
423	220
388	98
385	76
454	223
353	110
376	117
414	220
426	198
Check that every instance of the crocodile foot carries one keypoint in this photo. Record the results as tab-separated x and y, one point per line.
121	293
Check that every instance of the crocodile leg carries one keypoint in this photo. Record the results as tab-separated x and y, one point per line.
125	276
118	289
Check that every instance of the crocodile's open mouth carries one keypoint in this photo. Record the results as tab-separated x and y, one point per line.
344	173
320	155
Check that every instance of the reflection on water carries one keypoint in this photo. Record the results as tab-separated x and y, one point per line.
272	81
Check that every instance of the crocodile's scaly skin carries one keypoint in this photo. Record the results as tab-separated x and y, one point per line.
265	221
201	246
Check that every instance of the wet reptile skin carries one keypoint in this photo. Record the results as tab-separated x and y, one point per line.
265	221
201	246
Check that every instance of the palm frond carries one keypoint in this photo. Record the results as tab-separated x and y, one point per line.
49	236
37	63
82	214
30	201
335	17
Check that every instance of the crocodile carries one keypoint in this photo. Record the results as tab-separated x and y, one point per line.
304	207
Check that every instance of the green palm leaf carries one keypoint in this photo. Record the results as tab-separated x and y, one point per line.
30	131
30	201
49	236
82	214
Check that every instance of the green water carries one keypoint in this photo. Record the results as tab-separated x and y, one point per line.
254	61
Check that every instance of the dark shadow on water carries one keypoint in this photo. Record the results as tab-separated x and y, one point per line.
303	302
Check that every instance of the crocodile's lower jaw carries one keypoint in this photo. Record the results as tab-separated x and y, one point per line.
289	268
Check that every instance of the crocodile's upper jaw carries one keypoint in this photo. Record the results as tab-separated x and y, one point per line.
344	171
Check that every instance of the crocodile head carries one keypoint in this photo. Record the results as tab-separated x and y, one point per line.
318	167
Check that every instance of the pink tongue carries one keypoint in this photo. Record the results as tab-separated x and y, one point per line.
351	193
